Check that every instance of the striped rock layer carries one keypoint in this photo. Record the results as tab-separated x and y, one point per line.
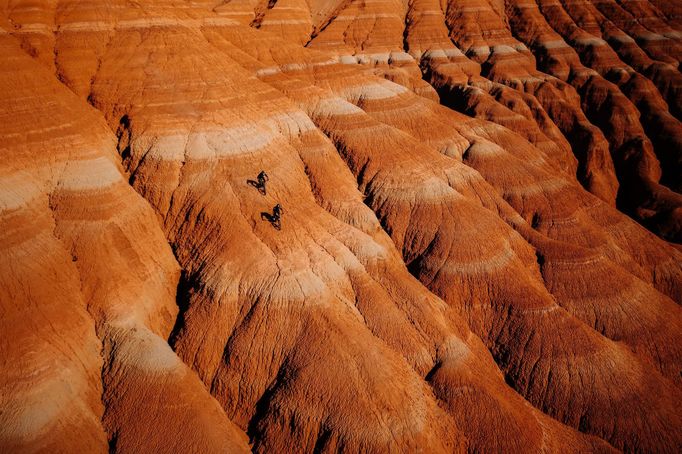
481	200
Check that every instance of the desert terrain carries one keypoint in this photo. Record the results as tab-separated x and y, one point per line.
479	247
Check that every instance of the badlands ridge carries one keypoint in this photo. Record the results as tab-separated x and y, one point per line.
480	245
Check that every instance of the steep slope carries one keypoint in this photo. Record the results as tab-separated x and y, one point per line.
88	289
607	84
324	299
440	281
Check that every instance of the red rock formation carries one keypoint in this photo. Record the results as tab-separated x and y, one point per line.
448	276
88	289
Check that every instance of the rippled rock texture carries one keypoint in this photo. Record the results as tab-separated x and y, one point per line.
479	248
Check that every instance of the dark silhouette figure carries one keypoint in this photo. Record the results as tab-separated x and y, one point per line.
275	218
278	211
260	181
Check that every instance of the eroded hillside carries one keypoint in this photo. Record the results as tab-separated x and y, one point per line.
462	265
